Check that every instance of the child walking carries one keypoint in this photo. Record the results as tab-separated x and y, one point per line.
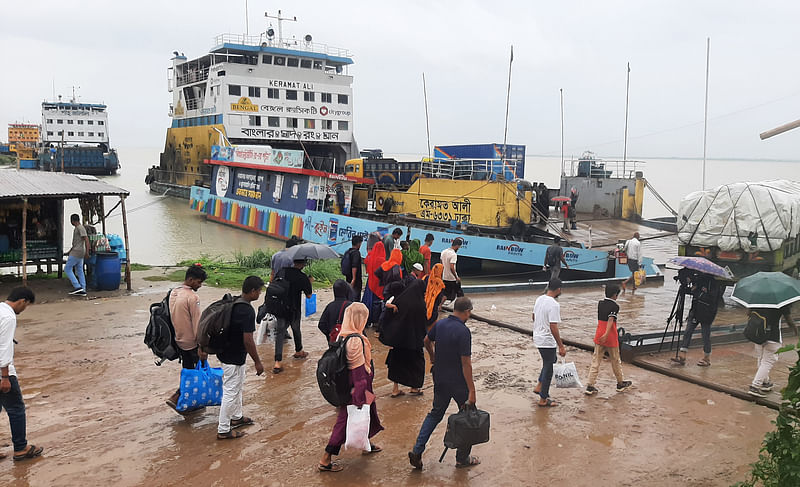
607	340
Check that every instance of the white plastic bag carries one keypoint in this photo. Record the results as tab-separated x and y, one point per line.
261	332
357	435
566	375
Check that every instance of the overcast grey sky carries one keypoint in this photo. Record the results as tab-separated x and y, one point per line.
118	52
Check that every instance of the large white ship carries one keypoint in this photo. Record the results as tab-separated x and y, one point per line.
270	90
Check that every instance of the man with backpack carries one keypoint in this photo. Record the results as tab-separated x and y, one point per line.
298	283
184	311
766	351
280	260
238	344
351	267
553	259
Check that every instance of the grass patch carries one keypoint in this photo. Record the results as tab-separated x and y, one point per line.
32	276
166	277
140	267
7	160
258	259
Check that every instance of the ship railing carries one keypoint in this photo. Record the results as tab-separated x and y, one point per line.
192	76
601	168
467	169
192	103
297	45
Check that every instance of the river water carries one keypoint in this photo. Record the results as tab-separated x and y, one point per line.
164	230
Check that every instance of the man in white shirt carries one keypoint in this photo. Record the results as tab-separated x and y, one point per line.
10	393
546	317
452	283
633	249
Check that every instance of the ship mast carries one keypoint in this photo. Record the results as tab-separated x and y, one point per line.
280	23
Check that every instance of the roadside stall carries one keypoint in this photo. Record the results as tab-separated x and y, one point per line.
32	219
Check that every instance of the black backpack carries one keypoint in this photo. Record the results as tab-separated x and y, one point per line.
276	299
332	374
347	264
756	328
160	334
214	322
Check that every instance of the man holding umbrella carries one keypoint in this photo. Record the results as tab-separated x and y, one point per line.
769	297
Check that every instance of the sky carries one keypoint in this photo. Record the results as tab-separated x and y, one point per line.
118	53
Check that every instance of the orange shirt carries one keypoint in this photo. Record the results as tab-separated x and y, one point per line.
426	254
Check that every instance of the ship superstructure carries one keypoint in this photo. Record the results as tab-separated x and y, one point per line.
23	140
292	94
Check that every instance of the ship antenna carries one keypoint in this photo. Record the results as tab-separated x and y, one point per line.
246	20
508	100
280	23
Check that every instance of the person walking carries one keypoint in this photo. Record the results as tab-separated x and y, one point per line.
391	270
280	260
352	261
452	282
362	373
449	346
184	312
413	256
373	294
434	294
606	339
403	329
239	343
546	317
633	249
298	283
705	292
391	242
425	250
332	315
766	352
10	393
553	258
77	253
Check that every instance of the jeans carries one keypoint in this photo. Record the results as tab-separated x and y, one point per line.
549	357
705	328
766	359
12	402
442	393
232	384
189	358
74	271
280	334
597	359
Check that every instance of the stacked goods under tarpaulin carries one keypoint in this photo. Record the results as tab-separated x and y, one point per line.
751	226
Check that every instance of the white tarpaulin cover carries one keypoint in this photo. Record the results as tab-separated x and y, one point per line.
741	216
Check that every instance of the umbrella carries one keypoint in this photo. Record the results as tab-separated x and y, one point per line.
311	251
560	198
701	264
767	290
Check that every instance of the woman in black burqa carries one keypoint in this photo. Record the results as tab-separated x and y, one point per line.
403	329
332	316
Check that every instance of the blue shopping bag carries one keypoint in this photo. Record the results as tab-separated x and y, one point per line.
201	386
311	305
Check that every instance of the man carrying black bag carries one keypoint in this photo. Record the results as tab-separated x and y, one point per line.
449	346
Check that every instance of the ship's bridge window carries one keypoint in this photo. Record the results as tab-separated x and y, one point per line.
326	97
59	121
280	61
266	59
273	93
71	134
317	64
221	72
254	91
49	120
60	132
235	90
308	96
91	134
343	99
291	94
100	122
90	122
327	125
80	122
70	122
342	124
305	63
292	62
309	123
273	121
291	123
255	120
49	133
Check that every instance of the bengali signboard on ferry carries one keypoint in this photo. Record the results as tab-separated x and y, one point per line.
263	155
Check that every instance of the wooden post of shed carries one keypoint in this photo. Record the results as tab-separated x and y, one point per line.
24	241
103	213
127	247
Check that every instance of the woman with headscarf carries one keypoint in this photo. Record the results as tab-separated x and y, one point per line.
359	364
333	314
434	294
413	256
373	294
391	270
403	328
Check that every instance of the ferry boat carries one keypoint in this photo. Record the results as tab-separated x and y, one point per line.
75	138
262	139
288	94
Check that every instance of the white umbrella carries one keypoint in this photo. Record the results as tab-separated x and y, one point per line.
311	251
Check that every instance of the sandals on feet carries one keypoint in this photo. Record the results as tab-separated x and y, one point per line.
243	421
415	393
373	449
703	362
33	451
401	393
678	360
472	461
277	370
301	354
331	467
230	435
548	403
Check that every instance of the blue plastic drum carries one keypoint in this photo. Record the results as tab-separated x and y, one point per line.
107	270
